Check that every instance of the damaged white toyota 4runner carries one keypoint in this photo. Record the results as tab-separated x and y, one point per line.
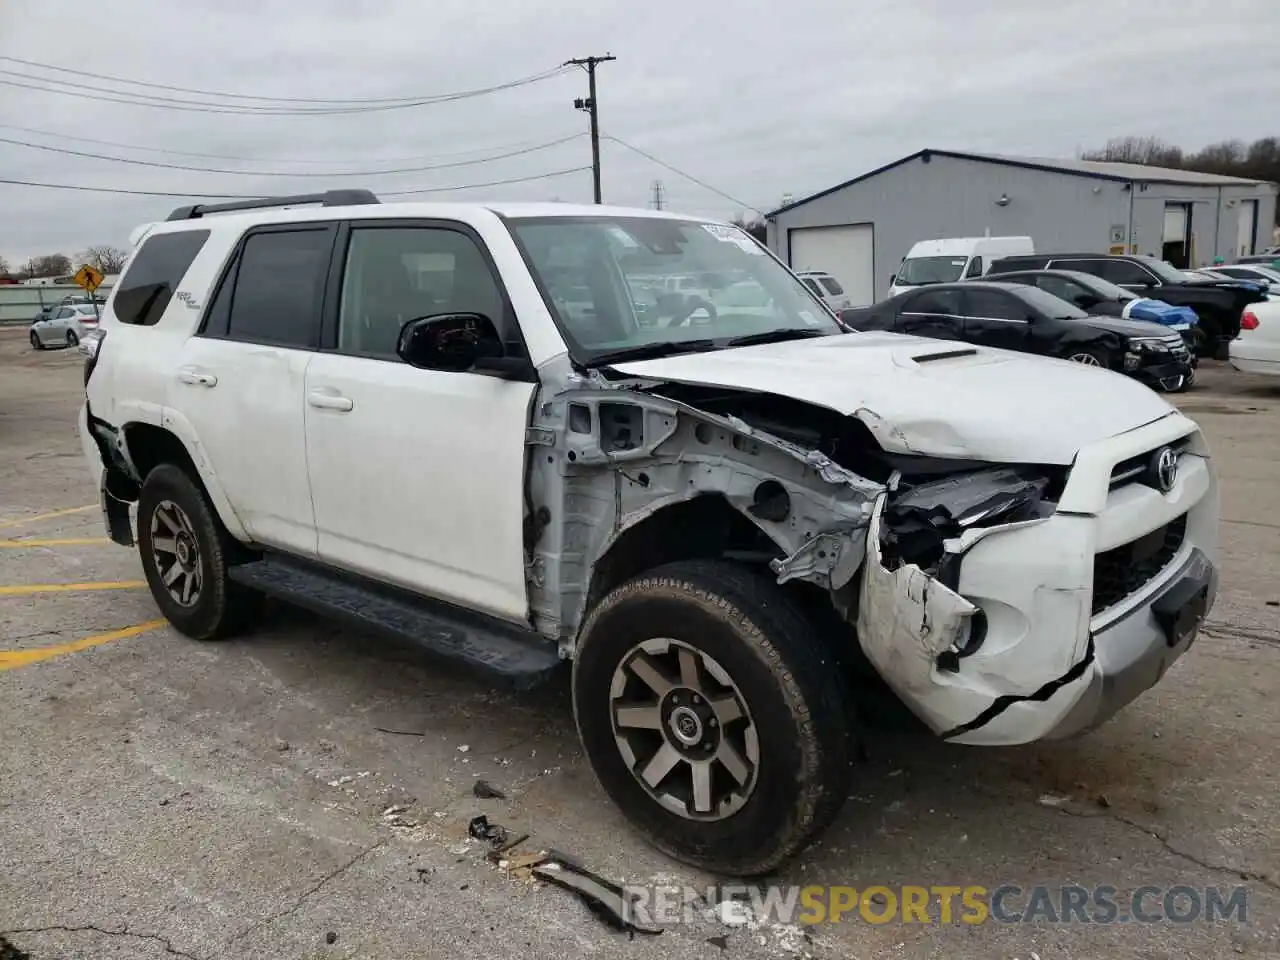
520	435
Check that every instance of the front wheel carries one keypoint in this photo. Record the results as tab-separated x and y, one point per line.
72	339
1089	356
713	716
185	553
36	342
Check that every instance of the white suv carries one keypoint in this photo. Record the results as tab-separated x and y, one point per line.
826	288
726	518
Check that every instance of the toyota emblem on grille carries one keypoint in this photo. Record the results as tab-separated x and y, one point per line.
1164	469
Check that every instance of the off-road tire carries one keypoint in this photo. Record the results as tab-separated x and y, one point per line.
791	686
222	607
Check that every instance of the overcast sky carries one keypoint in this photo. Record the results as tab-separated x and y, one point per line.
756	99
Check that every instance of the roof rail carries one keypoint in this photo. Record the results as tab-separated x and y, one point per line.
330	198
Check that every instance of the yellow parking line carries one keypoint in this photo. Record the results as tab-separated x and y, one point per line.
46	516
12	659
27	589
62	542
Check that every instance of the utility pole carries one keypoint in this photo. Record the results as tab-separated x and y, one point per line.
657	195
590	105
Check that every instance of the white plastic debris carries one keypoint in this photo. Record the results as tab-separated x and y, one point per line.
1049	800
340	781
464	748
393	811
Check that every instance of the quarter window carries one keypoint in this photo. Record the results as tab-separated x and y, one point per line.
153	277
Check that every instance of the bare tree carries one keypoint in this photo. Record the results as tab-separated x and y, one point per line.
756	228
4	267
1150	151
49	265
105	259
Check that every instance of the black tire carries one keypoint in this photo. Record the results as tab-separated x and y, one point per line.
72	339
220	607
36	343
786	678
1208	337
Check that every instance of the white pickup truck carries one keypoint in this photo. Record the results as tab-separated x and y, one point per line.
452	424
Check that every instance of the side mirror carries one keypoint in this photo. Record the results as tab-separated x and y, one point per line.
457	342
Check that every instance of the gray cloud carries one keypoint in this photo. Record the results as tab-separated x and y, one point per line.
754	98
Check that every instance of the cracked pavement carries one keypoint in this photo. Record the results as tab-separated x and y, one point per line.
160	797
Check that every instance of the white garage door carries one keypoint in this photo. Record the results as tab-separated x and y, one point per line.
844	252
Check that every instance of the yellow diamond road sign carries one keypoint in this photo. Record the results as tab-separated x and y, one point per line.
88	278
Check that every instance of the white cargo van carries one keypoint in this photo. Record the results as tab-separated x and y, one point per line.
946	261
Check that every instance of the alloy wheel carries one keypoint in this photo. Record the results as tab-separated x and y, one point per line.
176	551
1088	359
684	730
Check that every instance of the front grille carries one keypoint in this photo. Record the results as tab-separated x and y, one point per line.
1134	468
1126	569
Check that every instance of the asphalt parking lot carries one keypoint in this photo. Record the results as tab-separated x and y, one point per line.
161	797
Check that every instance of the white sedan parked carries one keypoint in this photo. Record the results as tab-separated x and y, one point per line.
66	328
1257	349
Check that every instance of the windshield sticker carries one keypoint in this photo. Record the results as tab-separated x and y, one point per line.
808	318
735	236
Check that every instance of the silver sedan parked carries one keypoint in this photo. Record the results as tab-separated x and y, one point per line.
66	327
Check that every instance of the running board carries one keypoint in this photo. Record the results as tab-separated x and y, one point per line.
519	658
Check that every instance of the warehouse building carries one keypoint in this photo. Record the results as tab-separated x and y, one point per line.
860	230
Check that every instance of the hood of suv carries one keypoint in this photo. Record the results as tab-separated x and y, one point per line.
932	397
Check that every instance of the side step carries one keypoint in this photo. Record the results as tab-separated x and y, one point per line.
519	658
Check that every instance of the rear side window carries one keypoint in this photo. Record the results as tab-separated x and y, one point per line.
154	275
279	287
833	288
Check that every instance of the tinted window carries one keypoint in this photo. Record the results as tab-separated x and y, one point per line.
154	275
1117	271
1049	305
1071	292
1009	264
833	288
921	270
279	287
394	275
993	305
946	302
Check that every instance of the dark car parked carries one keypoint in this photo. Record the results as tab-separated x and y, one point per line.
1015	316
1218	304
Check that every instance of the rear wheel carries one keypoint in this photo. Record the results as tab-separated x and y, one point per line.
713	716
72	339
185	553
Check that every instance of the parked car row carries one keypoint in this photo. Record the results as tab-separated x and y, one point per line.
1022	315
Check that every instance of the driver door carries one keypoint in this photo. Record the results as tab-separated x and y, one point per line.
932	313
417	476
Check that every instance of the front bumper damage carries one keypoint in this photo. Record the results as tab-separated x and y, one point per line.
1010	633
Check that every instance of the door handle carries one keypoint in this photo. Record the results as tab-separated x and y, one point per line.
329	401
194	376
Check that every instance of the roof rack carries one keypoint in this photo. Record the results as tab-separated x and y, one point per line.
330	198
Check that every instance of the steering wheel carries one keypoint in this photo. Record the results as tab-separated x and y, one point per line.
692	306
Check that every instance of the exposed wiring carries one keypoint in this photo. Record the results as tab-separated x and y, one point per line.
676	170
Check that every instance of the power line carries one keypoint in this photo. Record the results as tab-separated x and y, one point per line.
224	156
240	109
248	196
676	170
231	96
285	173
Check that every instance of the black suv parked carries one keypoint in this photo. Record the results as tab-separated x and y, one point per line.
1219	304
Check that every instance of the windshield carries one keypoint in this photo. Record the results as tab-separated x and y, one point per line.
1167	272
1050	305
921	270
641	284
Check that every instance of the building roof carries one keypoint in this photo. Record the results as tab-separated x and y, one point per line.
1095	169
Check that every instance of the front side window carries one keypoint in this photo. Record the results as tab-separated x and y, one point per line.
936	302
154	274
993	305
646	284
279	287
397	274
832	286
921	270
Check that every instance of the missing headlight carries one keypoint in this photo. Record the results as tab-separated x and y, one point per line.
919	519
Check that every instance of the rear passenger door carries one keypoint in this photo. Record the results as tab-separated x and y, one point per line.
994	318
932	313
418	475
240	381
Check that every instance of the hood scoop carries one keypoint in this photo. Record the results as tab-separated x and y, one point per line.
946	355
